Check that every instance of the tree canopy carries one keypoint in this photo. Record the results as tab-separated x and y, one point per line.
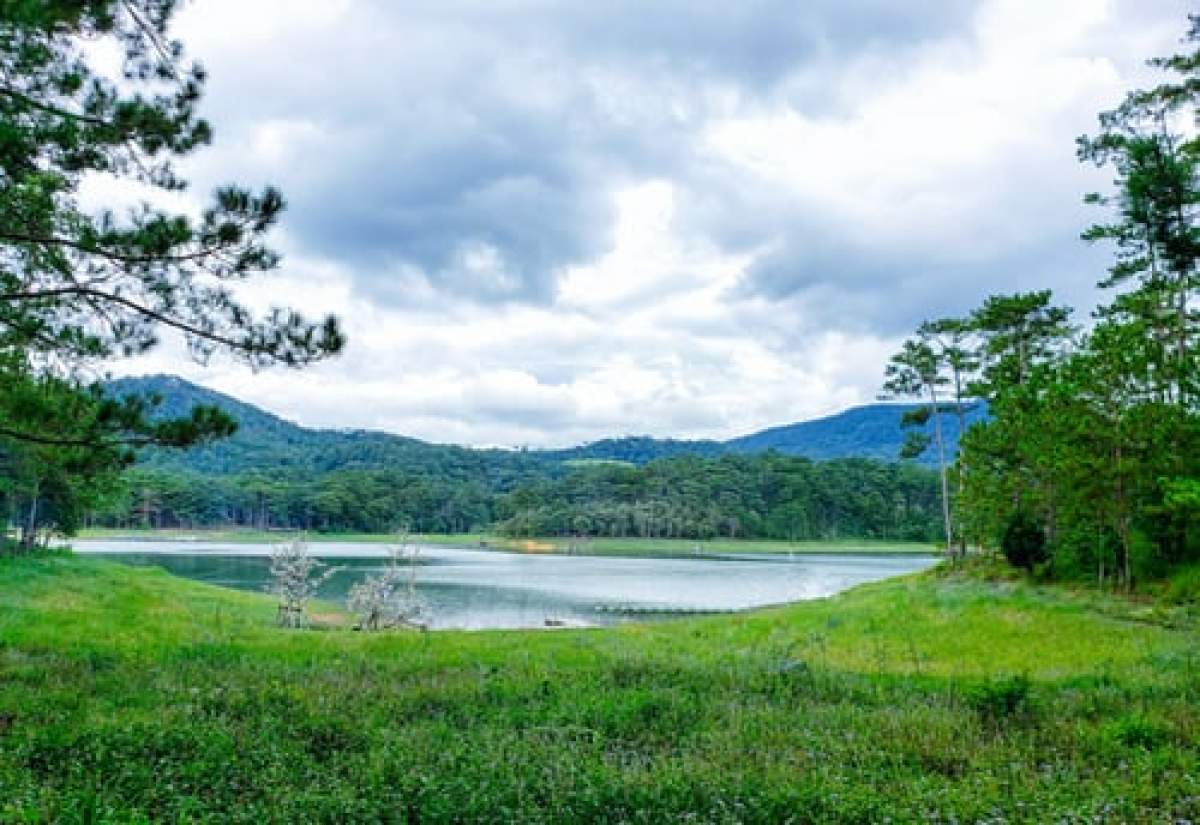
79	286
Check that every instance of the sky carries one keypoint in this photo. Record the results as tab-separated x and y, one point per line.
544	222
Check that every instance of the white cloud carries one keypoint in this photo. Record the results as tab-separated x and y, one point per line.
600	362
547	223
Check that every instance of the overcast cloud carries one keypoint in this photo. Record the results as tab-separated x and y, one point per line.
549	222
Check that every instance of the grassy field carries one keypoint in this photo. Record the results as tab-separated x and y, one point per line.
130	695
598	546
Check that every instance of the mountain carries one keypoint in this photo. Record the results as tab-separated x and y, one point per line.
266	442
869	431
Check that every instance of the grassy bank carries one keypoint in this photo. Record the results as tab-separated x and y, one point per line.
598	546
128	694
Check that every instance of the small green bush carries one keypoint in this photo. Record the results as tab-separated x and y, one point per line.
1000	698
1135	730
1024	541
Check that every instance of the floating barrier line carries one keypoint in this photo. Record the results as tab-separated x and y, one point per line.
642	610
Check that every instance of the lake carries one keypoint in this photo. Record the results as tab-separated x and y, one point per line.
477	589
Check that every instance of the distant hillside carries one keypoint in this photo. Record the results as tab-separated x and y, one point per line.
265	442
871	431
275	474
638	449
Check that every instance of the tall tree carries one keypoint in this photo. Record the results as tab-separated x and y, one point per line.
1151	144
1092	440
79	287
1021	337
952	339
916	371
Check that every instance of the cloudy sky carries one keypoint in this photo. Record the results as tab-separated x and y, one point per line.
549	221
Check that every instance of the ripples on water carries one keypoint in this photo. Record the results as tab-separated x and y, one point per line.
476	589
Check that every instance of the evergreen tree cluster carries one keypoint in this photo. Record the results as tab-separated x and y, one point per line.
767	496
1089	463
762	496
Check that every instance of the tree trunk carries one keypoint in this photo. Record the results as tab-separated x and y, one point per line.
962	470
1051	515
1124	567
941	450
29	528
1183	344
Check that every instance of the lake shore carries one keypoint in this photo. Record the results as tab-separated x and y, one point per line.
555	545
967	696
470	588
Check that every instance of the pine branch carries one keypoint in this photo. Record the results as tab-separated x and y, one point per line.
34	103
140	309
54	240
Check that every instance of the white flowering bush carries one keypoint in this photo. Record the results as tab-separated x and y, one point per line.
390	598
296	576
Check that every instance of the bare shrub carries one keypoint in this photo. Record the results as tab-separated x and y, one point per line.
390	598
296	576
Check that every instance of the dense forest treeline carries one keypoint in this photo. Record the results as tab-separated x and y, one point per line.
761	496
273	474
764	496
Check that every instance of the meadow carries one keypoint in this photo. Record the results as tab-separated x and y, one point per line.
130	695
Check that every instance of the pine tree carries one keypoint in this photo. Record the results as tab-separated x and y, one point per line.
80	287
77	286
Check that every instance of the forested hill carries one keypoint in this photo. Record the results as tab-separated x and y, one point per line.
869	431
274	474
267	442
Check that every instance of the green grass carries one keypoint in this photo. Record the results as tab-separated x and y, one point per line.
598	546
130	695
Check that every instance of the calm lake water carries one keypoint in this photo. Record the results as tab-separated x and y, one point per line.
476	589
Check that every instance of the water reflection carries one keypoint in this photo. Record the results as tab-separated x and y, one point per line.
490	589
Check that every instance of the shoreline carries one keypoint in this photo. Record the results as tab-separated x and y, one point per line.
651	548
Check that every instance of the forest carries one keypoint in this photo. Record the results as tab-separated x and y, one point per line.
1088	465
760	496
274	475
